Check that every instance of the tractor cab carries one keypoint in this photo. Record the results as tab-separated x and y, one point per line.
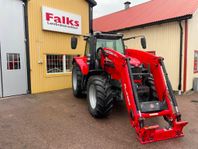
99	40
112	41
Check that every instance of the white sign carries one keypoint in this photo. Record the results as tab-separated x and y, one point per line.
60	21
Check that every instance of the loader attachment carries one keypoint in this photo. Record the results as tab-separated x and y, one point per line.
147	93
164	104
154	133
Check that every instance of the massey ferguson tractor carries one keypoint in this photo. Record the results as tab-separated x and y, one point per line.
108	72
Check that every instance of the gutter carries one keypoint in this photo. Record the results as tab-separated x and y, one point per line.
185	42
180	57
27	46
92	3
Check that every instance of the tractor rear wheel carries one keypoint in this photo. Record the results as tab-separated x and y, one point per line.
99	96
76	81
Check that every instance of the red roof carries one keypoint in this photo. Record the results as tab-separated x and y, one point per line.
146	13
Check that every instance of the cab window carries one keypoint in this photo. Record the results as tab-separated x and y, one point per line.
87	48
115	44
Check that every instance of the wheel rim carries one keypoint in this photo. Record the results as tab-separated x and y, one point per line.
92	96
74	79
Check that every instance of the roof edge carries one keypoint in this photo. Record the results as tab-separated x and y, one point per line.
122	10
186	17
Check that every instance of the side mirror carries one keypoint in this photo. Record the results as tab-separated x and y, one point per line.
143	42
74	42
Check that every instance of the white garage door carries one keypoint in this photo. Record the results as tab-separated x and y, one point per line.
13	51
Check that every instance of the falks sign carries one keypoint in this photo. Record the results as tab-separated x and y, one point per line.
60	21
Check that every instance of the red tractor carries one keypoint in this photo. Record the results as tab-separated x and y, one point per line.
109	72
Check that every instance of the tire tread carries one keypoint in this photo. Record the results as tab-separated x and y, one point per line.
104	97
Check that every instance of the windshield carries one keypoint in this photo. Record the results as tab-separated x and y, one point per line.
115	44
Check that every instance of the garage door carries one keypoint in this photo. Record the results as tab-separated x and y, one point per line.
13	53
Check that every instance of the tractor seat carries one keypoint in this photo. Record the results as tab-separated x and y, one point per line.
153	106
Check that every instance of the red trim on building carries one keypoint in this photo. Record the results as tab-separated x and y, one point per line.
185	55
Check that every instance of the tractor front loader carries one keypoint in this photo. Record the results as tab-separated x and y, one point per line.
109	72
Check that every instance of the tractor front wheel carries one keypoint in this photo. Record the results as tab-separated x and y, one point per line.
99	96
76	81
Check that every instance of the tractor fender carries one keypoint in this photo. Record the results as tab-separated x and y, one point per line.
82	63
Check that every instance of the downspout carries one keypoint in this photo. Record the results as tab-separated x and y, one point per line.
27	45
180	58
92	3
91	20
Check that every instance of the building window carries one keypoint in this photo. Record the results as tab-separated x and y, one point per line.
54	63
196	62
13	61
59	63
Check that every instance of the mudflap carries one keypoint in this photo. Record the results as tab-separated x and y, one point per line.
155	133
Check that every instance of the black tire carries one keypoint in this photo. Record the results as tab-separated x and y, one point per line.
153	92
76	81
99	89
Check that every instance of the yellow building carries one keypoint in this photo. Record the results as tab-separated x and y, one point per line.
170	28
35	53
51	25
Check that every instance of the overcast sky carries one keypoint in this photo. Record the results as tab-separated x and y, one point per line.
105	7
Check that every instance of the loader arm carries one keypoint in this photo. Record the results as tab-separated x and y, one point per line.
115	64
118	66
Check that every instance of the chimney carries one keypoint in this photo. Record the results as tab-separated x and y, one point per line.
127	5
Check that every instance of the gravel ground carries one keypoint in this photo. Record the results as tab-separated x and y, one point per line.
57	120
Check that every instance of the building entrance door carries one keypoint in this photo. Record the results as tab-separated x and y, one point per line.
13	50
